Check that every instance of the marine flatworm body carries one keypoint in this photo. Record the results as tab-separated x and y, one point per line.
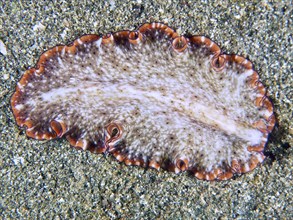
150	98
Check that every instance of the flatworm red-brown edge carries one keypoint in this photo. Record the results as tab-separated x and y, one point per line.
179	44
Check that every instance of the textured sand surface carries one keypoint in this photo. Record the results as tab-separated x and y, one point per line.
50	180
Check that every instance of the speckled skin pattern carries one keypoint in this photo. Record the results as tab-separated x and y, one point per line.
151	98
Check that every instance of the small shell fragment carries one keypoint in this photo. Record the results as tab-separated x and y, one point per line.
3	49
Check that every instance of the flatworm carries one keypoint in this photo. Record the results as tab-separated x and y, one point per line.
151	98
